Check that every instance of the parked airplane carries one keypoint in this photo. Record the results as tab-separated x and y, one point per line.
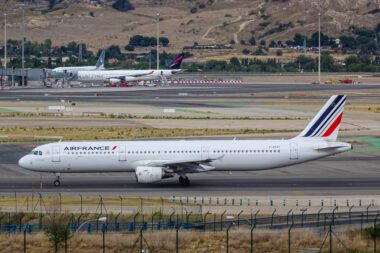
152	161
117	76
60	72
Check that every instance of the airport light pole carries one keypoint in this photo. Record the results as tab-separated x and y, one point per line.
23	44
5	40
319	48
158	41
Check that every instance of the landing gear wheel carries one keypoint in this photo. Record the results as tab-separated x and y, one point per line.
184	181
57	183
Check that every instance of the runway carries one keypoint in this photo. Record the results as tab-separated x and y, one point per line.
177	95
352	173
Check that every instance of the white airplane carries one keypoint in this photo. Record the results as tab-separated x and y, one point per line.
152	161
117	76
60	72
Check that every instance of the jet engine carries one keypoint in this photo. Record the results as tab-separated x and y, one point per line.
147	174
114	80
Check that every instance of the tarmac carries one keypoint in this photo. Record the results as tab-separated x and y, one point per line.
354	173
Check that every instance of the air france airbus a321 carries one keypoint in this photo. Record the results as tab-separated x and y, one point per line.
152	161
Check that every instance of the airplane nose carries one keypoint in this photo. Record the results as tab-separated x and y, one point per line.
24	162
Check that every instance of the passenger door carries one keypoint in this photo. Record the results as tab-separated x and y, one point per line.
293	151
122	153
56	153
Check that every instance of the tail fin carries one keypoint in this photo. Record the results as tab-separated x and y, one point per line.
326	123
100	62
176	63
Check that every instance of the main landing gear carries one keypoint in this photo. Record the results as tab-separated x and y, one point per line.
57	182
184	181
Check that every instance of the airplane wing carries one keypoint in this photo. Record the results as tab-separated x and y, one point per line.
130	76
183	166
142	74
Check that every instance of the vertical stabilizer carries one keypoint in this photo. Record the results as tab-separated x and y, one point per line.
100	62
327	122
176	63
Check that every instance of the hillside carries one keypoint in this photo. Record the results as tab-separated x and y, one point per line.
100	25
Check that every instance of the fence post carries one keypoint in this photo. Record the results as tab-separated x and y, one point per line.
349	213
368	211
134	220
289	242
252	228
361	224
162	205
374	233
214	222
271	221
238	221
221	220
104	237
319	213
188	216
176	239
287	216
141	239
153	219
333	215
81	204
228	229
171	215
26	227
66	235
256	216
302	212
330	231
60	202
204	220
121	204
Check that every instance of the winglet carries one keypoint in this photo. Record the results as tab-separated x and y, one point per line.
327	122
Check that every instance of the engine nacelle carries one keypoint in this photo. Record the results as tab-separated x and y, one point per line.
147	174
114	80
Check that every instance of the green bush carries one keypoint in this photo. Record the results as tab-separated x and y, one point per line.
194	10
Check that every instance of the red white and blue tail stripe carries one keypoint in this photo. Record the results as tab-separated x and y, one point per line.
326	123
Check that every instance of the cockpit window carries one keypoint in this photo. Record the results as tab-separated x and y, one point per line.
35	152
40	152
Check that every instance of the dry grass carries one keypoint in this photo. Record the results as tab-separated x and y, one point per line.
14	134
190	242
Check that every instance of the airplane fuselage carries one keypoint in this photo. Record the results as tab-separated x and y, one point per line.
125	75
126	156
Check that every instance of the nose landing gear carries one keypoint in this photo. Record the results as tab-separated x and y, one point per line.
184	181
57	182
